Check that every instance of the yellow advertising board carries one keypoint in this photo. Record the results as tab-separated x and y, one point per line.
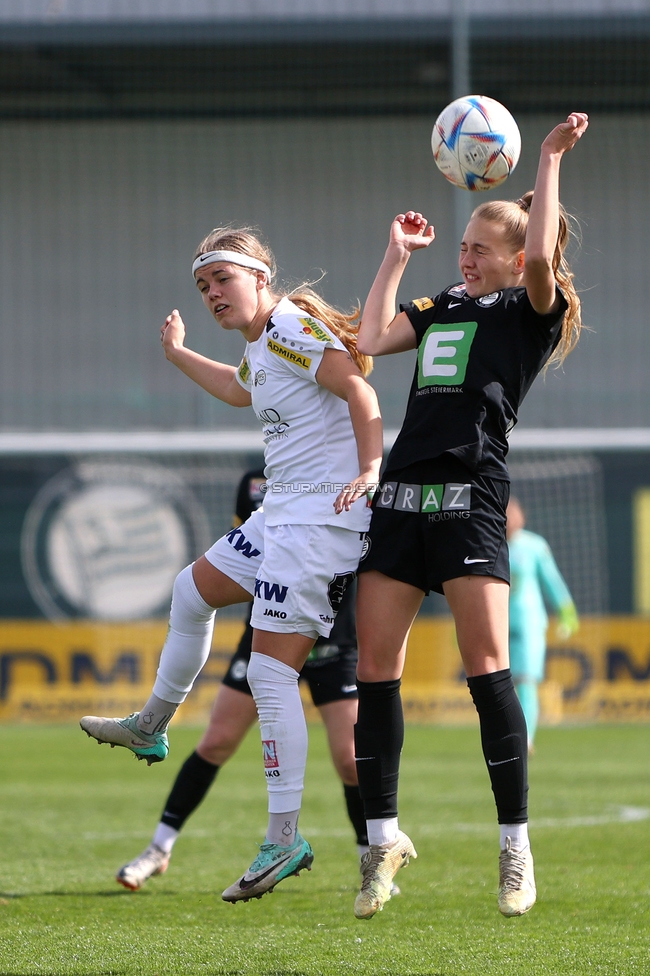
57	672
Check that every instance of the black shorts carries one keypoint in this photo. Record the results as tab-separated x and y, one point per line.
436	521
330	672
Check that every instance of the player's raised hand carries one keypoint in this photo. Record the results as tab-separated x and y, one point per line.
172	333
410	230
565	135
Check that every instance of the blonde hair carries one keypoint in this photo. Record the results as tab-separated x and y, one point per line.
247	240
513	216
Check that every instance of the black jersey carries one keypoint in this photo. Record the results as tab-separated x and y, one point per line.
477	359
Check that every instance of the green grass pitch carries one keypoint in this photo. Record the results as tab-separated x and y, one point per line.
72	813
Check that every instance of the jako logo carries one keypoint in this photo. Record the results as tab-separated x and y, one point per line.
237	539
272	591
274	613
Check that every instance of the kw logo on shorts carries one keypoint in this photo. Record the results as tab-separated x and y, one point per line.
291	357
443	354
426	499
238	540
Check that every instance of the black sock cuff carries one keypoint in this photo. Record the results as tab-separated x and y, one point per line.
487	687
379	689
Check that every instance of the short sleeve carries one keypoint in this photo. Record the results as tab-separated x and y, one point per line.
243	374
300	341
421	313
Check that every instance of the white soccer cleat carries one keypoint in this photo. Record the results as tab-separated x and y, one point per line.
125	732
517	892
378	868
147	865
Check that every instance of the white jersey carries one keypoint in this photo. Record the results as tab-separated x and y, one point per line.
310	449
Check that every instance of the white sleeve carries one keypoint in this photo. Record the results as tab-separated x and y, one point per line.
300	341
243	374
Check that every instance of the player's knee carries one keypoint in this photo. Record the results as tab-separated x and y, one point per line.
217	745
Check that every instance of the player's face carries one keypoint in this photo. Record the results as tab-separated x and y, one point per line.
230	294
487	262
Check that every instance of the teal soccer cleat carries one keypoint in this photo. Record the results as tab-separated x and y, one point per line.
272	865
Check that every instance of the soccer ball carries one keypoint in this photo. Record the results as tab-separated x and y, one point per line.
476	142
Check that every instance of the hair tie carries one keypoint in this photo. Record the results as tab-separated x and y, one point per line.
523	204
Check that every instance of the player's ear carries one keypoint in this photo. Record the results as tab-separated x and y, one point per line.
518	266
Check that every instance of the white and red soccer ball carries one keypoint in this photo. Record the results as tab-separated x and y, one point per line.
476	142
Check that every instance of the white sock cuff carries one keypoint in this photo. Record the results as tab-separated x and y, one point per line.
382	831
165	837
518	834
261	664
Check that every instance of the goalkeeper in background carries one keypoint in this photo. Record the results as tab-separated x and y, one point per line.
535	581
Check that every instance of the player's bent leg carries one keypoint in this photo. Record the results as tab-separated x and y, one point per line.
233	713
185	651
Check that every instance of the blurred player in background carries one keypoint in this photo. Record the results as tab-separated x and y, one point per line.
439	517
534	579
295	557
330	671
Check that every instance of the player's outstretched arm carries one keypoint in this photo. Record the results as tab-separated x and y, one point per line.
218	379
543	221
381	331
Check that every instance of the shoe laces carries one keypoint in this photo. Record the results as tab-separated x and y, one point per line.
370	863
513	867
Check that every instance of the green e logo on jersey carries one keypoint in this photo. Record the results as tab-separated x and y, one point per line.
443	354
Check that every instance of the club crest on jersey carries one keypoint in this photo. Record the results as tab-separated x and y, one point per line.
487	300
423	303
260	377
312	328
298	359
244	371
458	291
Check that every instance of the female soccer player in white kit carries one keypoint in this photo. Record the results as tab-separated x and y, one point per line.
306	382
439	516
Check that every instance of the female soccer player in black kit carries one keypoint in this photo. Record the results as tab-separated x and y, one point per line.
439	516
330	674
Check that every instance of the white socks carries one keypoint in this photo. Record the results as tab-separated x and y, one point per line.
382	831
284	734
188	642
518	834
165	837
155	716
282	828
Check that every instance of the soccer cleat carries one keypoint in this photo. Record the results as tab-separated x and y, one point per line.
151	862
273	864
378	868
125	732
517	892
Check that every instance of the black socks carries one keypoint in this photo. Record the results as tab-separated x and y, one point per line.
505	742
354	804
194	779
378	739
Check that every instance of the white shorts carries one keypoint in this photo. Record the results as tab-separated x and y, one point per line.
297	574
